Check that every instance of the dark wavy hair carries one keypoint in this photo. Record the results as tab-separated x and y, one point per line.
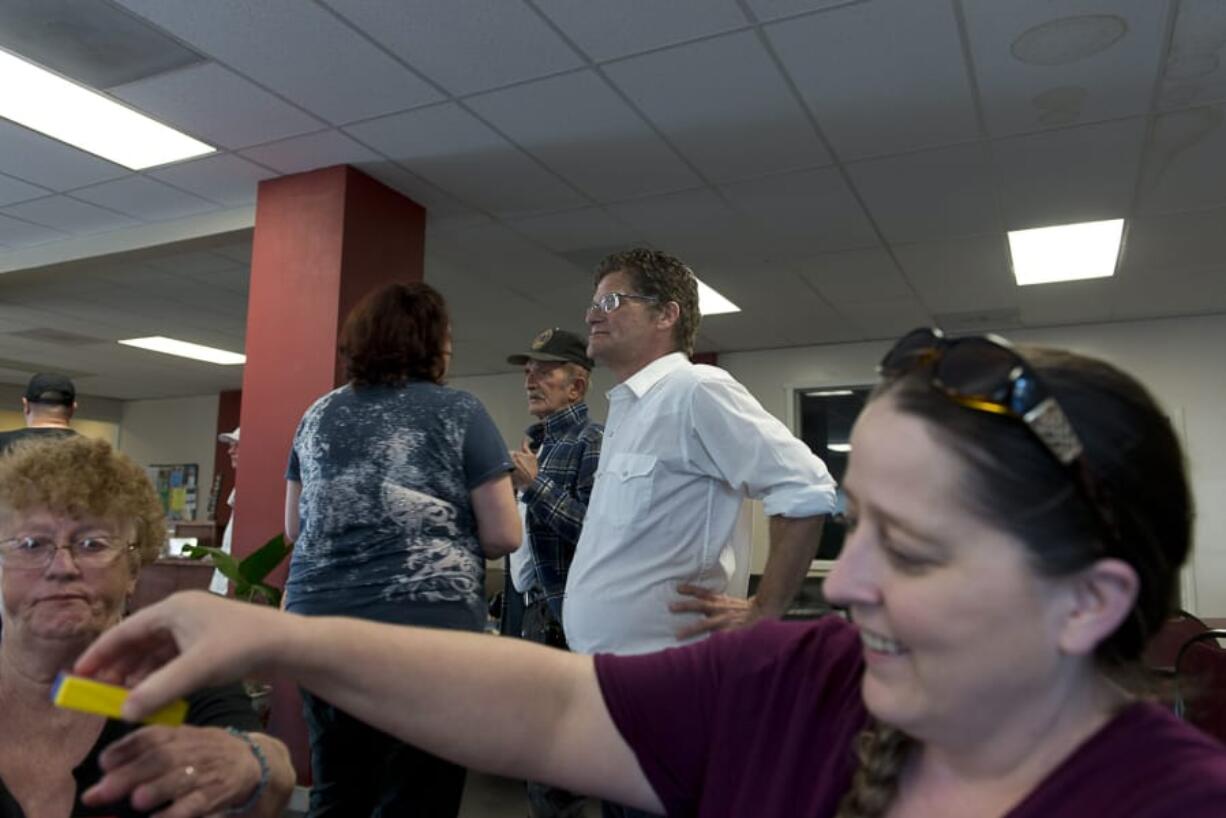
1133	455
396	334
665	277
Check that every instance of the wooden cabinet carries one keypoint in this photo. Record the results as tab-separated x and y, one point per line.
162	578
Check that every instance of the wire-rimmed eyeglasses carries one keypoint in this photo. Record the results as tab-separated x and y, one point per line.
609	302
36	552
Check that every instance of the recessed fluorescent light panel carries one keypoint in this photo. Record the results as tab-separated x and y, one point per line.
48	103
829	393
839	447
1067	252
185	350
711	302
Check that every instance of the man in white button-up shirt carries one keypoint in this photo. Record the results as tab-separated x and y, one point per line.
684	446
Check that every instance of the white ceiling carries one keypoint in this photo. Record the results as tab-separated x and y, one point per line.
841	170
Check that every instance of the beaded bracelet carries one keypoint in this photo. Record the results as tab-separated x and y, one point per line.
264	772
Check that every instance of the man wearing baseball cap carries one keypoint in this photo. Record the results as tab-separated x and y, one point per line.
555	468
47	406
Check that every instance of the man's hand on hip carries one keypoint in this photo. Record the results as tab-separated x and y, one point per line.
719	611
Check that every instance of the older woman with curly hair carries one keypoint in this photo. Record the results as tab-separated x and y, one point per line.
77	522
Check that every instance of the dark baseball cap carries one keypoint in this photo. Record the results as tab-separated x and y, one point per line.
47	387
555	345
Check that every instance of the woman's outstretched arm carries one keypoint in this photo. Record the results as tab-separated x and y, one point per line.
502	705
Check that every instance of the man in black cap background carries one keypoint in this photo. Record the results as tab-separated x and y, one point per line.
47	406
555	468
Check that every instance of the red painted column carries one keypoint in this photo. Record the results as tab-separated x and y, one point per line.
323	239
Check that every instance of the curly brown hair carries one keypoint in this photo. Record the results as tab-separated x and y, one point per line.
664	277
78	476
396	334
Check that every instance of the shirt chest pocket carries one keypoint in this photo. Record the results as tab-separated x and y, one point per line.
629	479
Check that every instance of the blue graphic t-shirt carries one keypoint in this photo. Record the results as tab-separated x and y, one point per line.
386	519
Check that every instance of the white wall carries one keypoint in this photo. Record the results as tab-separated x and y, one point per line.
173	430
1180	360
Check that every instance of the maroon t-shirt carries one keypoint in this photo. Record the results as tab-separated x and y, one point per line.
760	722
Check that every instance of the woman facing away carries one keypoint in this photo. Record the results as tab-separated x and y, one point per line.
77	522
1020	520
398	490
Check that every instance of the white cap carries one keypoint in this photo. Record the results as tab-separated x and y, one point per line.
229	437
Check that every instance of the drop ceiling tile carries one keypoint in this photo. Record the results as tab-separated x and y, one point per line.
927	195
1176	241
218	106
223	178
317	150
958	275
1040	65
35	158
1183	162
887	318
15	233
449	147
608	30
234	279
881	77
685	224
522	267
774	9
578	126
855	275
1068	302
1194	73
69	215
576	230
714	98
806	212
1071	175
1186	291
145	198
236	249
190	263
442	208
440	38
729	333
774	299
296	49
14	190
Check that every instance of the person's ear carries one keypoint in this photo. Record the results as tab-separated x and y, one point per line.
1100	597
669	314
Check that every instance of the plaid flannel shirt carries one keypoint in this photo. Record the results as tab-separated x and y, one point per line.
569	448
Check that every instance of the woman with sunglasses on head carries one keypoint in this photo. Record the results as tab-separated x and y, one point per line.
1020	520
77	522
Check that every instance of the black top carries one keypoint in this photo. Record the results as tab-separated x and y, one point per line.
7	439
226	706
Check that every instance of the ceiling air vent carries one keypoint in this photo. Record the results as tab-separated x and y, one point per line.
96	44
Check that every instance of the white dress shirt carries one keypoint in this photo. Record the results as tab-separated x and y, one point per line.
219	584
523	569
683	446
